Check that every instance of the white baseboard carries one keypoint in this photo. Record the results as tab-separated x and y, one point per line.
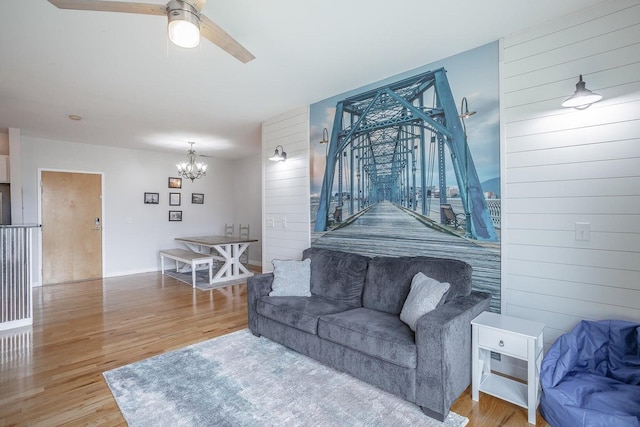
141	271
130	272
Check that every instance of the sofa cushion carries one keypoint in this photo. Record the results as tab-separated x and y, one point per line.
375	333
299	312
425	295
291	278
389	279
338	276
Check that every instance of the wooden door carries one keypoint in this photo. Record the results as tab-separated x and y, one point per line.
71	226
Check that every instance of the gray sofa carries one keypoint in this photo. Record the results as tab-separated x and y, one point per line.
351	322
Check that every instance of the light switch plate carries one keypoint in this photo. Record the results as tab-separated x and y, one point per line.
583	231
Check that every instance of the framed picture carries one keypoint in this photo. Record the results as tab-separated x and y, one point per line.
197	198
175	215
151	198
174	199
175	182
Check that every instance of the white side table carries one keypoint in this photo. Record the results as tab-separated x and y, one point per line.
513	337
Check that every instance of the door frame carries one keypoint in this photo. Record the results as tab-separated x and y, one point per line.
39	191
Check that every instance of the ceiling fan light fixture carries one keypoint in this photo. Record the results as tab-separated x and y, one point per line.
184	24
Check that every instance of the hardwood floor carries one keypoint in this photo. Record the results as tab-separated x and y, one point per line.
51	373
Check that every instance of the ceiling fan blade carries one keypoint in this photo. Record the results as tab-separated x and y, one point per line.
198	4
216	35
111	6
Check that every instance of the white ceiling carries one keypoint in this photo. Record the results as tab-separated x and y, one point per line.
135	89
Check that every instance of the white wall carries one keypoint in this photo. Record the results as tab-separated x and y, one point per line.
285	187
563	166
4	142
247	206
15	176
135	232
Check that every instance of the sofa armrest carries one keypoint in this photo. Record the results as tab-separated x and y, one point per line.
257	287
443	341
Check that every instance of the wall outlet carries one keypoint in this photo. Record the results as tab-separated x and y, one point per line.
284	222
270	222
583	231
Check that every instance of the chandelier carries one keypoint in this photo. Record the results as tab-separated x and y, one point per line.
191	169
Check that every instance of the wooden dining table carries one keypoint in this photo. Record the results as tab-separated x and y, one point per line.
222	248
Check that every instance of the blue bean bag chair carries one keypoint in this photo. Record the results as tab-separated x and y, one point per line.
591	376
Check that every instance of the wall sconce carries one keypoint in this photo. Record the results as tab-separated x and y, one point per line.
279	156
582	97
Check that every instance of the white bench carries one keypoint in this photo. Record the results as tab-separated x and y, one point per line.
188	257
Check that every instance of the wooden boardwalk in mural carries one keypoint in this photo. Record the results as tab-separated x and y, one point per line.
387	230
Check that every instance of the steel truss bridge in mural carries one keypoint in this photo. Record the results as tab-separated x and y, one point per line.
383	147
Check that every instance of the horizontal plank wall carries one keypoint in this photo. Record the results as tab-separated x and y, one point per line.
566	166
285	187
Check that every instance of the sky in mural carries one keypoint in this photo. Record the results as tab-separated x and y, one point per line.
472	74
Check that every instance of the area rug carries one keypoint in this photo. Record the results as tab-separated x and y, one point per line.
241	380
202	279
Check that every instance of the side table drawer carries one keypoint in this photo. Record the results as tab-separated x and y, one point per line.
503	342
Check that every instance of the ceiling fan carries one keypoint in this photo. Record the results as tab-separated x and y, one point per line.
186	22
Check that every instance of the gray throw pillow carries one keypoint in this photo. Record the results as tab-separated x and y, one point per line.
425	295
291	278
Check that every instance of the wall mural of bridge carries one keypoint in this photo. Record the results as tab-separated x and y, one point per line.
396	168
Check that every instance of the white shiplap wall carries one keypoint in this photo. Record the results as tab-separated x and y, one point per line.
562	166
285	187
